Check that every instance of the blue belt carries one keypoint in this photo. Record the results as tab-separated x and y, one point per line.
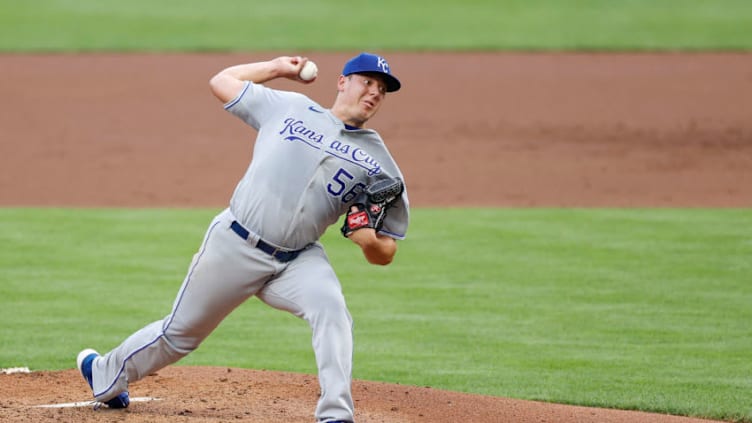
281	255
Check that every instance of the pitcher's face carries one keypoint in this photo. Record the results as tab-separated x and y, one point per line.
361	95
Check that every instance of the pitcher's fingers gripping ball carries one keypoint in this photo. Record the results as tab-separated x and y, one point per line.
370	206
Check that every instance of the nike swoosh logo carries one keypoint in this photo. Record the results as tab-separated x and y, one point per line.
313	109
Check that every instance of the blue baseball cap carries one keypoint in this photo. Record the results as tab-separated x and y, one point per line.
371	63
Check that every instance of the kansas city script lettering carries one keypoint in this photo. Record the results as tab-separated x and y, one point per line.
297	131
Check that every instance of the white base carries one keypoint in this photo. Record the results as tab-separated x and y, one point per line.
91	403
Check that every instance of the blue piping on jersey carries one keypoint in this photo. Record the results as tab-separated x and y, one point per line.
392	234
239	96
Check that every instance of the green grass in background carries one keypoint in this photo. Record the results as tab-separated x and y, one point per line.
197	25
634	309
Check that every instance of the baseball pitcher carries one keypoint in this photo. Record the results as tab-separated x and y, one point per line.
311	166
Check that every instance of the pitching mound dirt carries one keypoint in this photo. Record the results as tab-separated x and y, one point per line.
201	394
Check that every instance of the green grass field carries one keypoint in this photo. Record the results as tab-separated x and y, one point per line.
91	25
634	309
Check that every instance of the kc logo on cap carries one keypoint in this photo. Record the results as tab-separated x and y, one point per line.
371	63
381	62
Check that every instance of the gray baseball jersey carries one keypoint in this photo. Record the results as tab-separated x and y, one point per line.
307	168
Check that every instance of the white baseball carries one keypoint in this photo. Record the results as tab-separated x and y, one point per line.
309	71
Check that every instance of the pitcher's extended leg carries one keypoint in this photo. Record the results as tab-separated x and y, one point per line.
224	273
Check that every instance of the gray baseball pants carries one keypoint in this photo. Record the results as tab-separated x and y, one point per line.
225	272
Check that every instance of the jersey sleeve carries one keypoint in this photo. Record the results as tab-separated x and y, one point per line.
397	219
256	104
